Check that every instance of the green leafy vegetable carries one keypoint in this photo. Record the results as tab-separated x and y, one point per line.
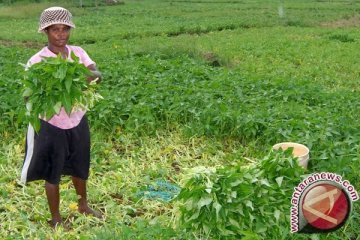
54	83
227	201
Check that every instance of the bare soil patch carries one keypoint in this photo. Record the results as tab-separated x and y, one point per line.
353	21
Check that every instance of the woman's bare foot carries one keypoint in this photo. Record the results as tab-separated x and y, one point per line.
55	222
89	211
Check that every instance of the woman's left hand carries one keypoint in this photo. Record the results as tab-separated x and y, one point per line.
96	75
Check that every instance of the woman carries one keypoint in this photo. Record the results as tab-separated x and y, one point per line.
62	146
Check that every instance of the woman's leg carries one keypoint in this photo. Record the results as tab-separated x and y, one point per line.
80	187
53	197
83	207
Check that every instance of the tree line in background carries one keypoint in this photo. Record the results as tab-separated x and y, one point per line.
80	3
14	1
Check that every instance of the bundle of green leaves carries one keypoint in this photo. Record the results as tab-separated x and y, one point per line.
56	82
236	202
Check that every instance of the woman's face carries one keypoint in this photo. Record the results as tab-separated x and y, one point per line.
58	35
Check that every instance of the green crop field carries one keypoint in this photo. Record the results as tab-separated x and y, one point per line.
193	84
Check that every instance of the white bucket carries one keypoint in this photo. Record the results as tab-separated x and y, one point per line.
300	151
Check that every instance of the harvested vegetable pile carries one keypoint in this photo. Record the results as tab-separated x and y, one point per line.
233	202
54	83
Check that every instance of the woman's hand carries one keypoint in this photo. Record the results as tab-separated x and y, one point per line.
96	75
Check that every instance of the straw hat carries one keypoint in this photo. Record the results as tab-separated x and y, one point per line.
55	15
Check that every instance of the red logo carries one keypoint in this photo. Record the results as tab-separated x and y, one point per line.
325	206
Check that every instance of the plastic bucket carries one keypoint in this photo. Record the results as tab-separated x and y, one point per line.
300	151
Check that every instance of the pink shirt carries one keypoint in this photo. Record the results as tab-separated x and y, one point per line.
63	120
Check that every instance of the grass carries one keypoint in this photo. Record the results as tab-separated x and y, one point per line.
187	83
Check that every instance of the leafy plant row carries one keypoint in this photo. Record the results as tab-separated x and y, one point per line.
144	93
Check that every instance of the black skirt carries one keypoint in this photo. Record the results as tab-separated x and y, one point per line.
54	152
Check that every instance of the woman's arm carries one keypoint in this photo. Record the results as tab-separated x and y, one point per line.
95	73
